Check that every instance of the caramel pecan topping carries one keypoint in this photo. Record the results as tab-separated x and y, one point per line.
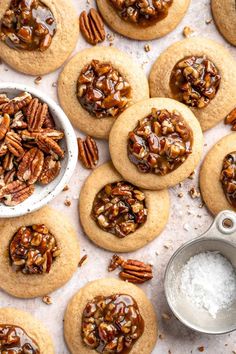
228	178
102	90
14	340
142	12
160	143
231	119
29	147
133	271
88	152
28	25
120	208
195	81
33	249
92	27
112	324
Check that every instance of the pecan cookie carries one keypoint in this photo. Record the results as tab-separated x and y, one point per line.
110	297
97	85
36	37
218	176
224	14
143	20
39	251
22	333
199	73
117	215
156	143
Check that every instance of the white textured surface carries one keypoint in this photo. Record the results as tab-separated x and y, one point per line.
186	221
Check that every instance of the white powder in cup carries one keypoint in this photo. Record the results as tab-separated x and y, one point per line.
209	280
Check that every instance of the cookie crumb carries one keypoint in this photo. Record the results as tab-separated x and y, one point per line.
147	48
187	31
207	22
201	349
191	176
110	37
161	336
54	84
166	316
47	300
67	203
83	260
38	80
186	227
180	195
194	193
66	188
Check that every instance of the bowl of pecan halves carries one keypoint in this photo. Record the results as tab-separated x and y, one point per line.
38	150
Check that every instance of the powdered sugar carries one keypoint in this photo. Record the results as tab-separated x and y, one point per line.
209	281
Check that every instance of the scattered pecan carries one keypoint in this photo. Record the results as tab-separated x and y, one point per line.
88	152
231	119
29	147
14	340
195	81
92	27
83	260
47	300
16	192
33	249
113	323
144	12
50	170
31	166
28	25
132	270
4	125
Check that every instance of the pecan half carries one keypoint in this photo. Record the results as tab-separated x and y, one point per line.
132	270
16	192
50	171
18	121
13	142
4	125
35	114
88	152
49	121
231	119
31	166
7	162
49	146
17	103
92	27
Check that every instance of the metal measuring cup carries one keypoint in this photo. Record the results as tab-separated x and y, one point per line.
220	237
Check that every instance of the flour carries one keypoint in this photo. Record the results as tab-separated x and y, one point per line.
209	281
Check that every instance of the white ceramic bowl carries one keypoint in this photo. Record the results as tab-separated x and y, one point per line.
44	194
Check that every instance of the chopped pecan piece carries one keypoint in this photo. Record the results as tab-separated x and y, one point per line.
92	27
13	142
31	166
17	103
195	81
28	25
35	114
102	90
18	121
50	170
49	146
113	323
228	177
88	152
160	142
231	119
14	340
142	12
119	208
16	192
132	270
33	249
4	125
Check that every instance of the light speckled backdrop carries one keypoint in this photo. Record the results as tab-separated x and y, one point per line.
187	219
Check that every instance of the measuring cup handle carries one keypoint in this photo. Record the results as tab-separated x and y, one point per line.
224	225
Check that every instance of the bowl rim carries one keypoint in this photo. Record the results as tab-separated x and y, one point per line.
70	142
198	239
